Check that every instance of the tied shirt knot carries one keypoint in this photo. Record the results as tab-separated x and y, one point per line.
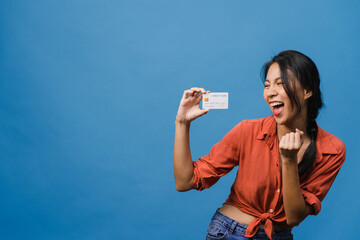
265	219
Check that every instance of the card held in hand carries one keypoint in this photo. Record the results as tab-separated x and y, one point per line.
215	100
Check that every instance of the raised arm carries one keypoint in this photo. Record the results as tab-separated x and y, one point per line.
188	111
296	209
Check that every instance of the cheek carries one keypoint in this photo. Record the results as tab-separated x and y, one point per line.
264	95
284	96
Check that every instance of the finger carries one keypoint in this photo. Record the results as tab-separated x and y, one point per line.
198	94
198	99
287	140
206	92
297	143
192	92
299	131
197	89
202	90
186	94
203	111
282	142
301	136
291	139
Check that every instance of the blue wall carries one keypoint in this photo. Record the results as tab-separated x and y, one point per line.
89	91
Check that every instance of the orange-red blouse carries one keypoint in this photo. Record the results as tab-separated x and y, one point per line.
253	145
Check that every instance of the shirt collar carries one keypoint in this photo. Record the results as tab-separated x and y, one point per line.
268	128
323	143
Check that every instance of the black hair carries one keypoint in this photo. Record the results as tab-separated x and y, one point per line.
295	65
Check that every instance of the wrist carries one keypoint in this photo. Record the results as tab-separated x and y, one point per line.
182	123
289	161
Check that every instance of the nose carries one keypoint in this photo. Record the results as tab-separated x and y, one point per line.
271	91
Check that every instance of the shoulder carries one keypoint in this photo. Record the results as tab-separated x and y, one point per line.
255	126
258	122
329	143
331	151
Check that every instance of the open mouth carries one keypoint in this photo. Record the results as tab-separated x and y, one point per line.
277	107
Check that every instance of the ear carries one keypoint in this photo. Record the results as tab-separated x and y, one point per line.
307	94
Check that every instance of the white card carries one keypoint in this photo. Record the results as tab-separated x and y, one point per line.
215	100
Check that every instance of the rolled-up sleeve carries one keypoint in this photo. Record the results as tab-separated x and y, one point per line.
321	178
223	157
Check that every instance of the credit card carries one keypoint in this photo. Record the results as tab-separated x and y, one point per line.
215	100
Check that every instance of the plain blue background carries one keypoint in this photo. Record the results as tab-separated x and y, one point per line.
89	91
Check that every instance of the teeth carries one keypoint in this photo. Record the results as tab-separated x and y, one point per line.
274	104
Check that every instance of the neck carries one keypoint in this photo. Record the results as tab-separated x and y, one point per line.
300	124
283	129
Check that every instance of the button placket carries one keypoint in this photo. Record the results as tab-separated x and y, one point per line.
276	156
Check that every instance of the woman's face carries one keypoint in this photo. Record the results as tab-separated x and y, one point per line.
279	102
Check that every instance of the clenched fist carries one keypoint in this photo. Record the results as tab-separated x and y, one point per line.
290	144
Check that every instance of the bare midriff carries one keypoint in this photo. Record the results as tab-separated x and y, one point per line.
240	216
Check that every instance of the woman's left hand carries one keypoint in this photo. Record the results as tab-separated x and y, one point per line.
290	145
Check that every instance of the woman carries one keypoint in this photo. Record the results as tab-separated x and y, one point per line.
287	163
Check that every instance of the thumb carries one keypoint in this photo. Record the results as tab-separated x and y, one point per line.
299	131
204	111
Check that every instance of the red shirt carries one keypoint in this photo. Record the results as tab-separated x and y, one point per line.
253	145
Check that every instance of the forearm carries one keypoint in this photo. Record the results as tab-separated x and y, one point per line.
183	167
296	210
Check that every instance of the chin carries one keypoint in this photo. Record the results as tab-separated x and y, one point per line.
280	120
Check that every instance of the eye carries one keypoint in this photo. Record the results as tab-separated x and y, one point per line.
266	85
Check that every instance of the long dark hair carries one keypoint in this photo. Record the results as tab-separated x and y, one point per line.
302	68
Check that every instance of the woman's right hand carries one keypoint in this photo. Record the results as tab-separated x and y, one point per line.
189	108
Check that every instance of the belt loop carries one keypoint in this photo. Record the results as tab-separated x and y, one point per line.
233	226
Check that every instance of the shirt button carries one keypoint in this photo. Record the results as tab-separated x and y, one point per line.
278	190
271	210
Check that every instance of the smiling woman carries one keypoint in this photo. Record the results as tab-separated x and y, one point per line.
289	161
298	81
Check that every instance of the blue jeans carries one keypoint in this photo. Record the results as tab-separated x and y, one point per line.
223	227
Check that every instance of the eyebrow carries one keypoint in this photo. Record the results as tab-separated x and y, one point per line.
274	79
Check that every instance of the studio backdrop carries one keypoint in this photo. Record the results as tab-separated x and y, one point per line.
89	92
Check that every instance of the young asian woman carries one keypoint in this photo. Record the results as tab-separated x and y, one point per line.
287	163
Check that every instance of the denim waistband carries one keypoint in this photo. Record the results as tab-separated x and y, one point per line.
234	225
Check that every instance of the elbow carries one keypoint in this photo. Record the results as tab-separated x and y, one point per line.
183	187
296	217
293	222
